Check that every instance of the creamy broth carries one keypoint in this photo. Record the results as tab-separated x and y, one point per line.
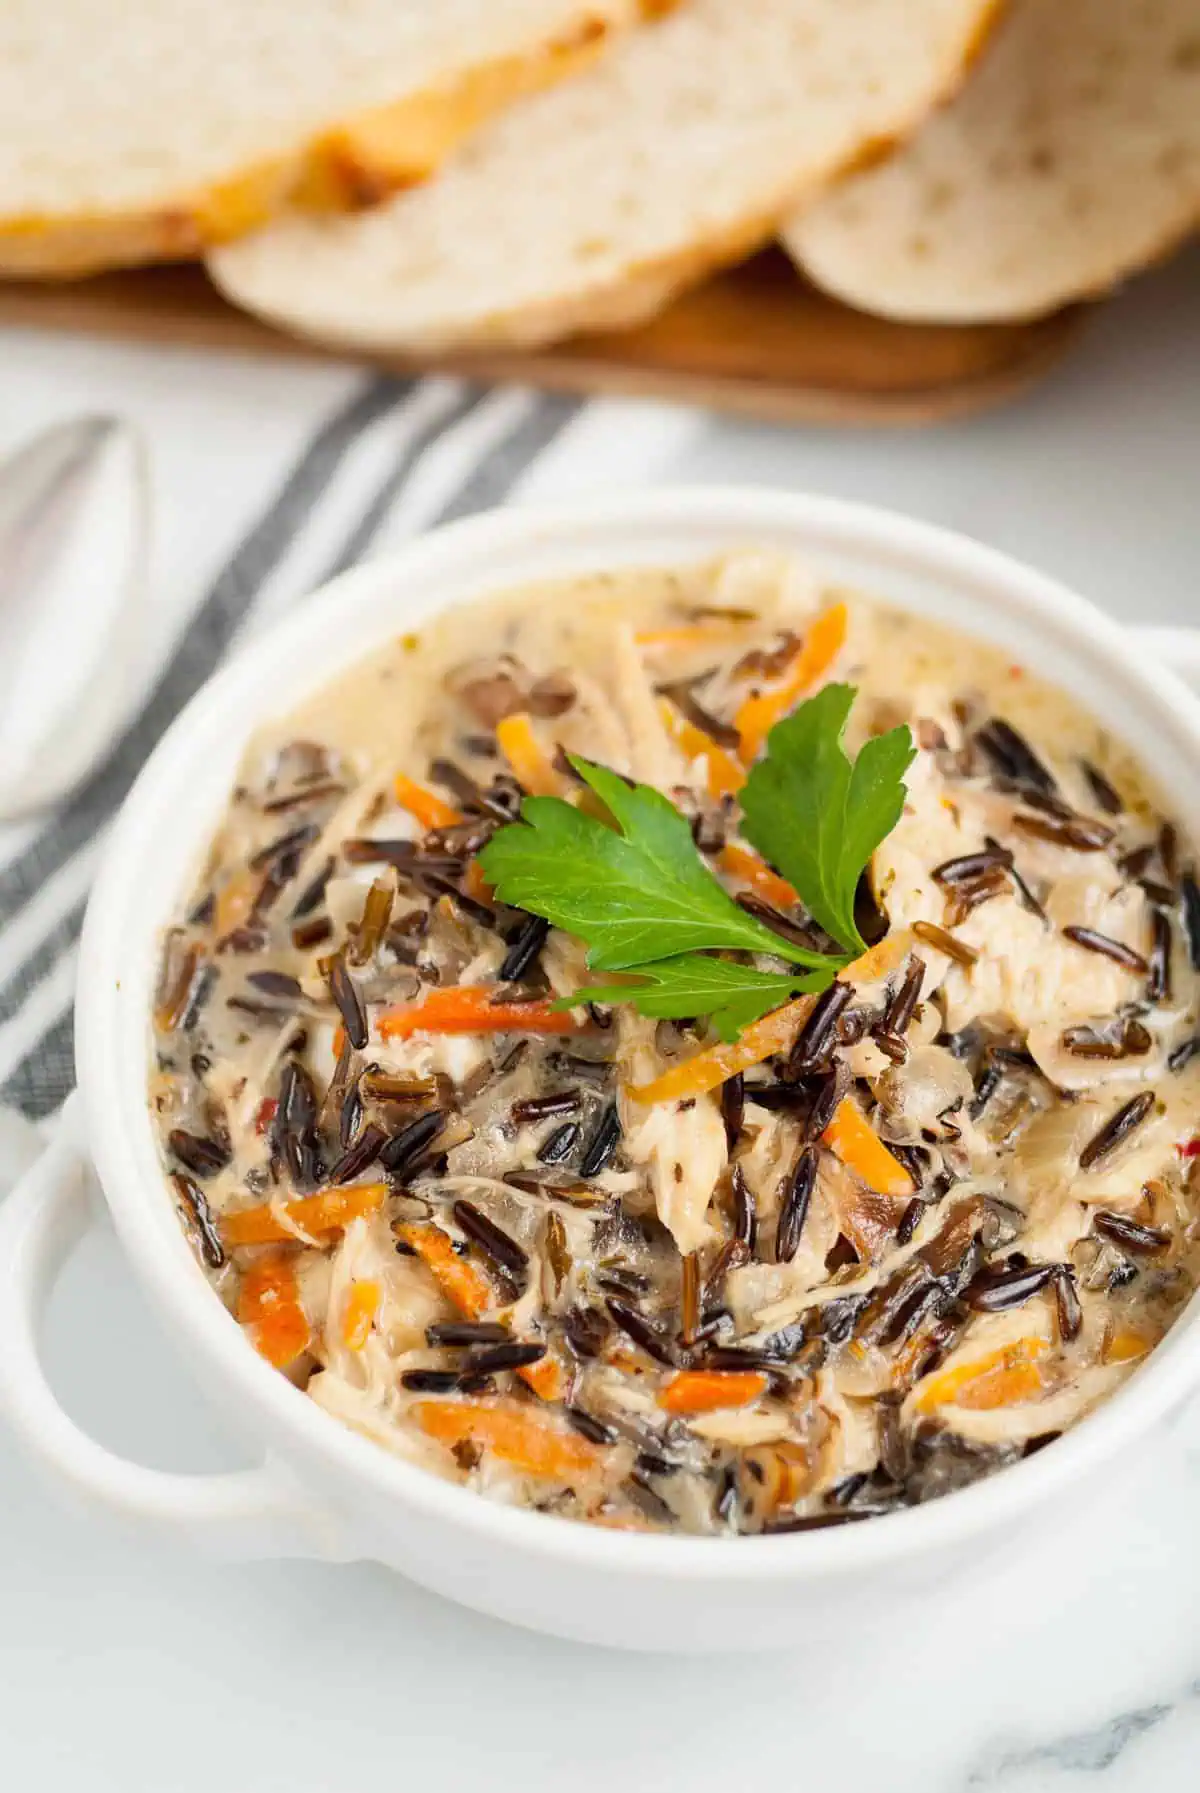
478	1246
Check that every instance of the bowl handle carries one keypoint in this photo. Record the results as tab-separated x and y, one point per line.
1178	649
247	1513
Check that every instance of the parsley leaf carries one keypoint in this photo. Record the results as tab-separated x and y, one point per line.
635	894
731	995
816	816
643	900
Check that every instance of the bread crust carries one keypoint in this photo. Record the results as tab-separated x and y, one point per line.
357	162
1011	205
641	289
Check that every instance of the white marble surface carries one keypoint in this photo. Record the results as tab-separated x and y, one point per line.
123	1666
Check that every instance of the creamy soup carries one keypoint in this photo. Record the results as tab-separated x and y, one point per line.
887	1237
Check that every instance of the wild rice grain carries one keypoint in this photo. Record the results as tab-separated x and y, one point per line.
689	1297
1116	950
345	994
829	1093
372	926
970	866
1080	834
1013	757
1068	1311
541	1108
558	1251
910	1219
524	950
641	1330
359	1155
1126	1120
1191	916
296	1124
514	1356
585	1330
466	1332
276	983
198	1212
589	1427
284	848
1103	790
891	1045
560	1144
408	1146
816	1036
733	1108
1158	984
1023	890
491	1239
793	1206
199	1153
1130	1235
996	1290
942	942
900	1010
601	1148
745	1215
313	894
1133	1041
1168	851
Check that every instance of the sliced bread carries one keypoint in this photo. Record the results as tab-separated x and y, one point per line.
588	205
137	130
1070	159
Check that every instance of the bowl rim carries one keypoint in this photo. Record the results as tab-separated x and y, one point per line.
162	1260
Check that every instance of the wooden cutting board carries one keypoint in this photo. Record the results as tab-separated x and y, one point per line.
754	340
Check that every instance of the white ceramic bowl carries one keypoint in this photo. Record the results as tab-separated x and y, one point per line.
321	1490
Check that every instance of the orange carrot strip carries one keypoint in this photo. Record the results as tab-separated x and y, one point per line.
1125	1345
476	884
515	1434
861	1150
470	1009
428	808
997	1380
741	862
523	751
878	960
703	1391
725	776
269	1308
328	1212
1004	1386
716	1064
358	1314
815	655
545	1379
719	632
464	1287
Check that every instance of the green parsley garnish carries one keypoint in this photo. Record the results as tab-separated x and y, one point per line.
731	995
816	816
643	900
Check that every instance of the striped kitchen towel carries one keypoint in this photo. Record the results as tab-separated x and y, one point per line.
392	458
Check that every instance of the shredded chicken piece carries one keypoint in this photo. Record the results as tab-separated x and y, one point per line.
653	756
681	1144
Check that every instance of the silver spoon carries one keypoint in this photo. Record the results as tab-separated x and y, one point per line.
74	538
